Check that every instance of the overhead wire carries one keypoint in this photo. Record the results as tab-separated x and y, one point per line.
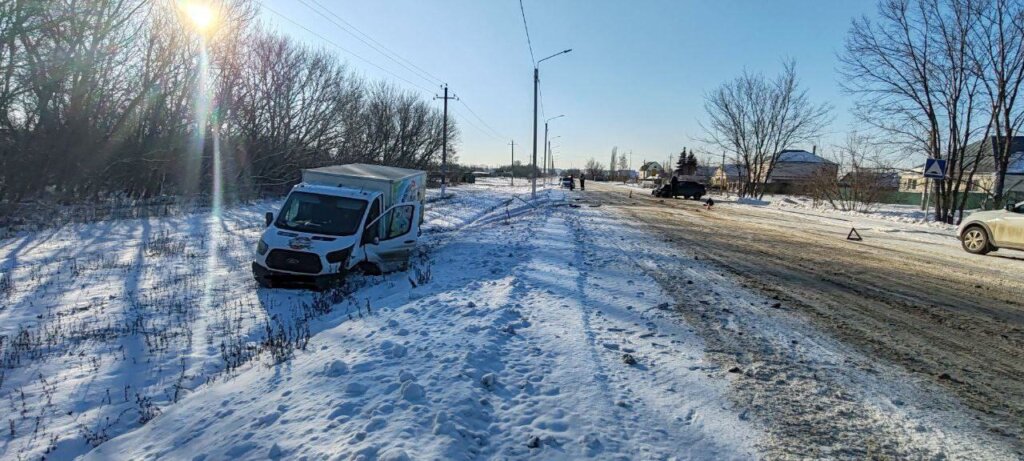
347	51
474	125
529	43
485	124
388	53
370	42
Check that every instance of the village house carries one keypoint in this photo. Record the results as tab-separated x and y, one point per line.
729	177
794	170
913	180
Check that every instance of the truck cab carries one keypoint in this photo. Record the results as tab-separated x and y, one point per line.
322	232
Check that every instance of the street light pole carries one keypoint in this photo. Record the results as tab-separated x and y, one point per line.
536	82
547	144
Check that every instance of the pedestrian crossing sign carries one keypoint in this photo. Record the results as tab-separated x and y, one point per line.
935	168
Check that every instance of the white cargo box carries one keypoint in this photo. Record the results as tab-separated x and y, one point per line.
397	184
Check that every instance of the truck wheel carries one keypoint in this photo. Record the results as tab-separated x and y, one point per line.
369	268
975	240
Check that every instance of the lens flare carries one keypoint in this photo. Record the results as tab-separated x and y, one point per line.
203	17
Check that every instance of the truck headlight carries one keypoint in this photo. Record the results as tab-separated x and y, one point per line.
262	247
335	257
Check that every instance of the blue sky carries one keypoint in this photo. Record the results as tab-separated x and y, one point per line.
635	79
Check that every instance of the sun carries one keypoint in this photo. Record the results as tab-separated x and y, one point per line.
203	17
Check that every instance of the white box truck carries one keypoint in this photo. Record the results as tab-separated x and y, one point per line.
340	218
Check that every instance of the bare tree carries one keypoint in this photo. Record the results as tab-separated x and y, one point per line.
997	57
593	169
866	176
624	168
912	73
128	100
755	119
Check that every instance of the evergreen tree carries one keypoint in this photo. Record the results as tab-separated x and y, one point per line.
681	165
691	163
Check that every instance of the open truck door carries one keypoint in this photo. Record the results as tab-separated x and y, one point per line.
398	229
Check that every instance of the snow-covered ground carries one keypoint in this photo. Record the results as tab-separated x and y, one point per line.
104	325
525	329
517	347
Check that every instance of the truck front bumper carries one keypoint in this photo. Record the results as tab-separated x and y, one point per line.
271	278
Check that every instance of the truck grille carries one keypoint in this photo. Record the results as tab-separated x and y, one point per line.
294	261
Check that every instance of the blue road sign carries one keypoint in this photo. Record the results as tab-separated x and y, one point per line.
935	168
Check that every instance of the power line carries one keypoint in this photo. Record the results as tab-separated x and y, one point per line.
527	28
495	132
375	45
541	90
328	41
474	125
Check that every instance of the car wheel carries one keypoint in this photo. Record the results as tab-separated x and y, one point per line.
975	240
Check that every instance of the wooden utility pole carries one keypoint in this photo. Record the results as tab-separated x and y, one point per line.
512	167
444	135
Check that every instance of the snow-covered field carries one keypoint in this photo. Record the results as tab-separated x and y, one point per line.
104	325
526	329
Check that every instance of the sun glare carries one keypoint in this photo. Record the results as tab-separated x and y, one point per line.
203	17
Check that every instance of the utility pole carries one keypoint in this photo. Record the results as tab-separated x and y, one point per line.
512	167
444	145
630	173
533	172
536	82
547	160
546	146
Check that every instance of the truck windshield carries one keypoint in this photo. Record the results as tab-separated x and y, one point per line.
321	214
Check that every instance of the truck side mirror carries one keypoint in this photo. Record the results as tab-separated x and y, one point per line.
269	217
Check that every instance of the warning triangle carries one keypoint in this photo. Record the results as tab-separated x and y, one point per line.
853	235
934	169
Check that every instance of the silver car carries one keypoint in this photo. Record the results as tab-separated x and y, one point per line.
987	231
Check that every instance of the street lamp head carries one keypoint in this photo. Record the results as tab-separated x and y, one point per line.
552	118
556	54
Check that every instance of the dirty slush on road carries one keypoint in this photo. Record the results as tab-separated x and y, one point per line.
821	388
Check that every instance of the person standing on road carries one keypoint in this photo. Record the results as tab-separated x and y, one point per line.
572	183
675	186
583	182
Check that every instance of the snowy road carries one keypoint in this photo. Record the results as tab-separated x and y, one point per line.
906	305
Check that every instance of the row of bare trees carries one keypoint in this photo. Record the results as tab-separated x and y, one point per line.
938	75
126	97
755	118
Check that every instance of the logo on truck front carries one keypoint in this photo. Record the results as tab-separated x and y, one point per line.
299	243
